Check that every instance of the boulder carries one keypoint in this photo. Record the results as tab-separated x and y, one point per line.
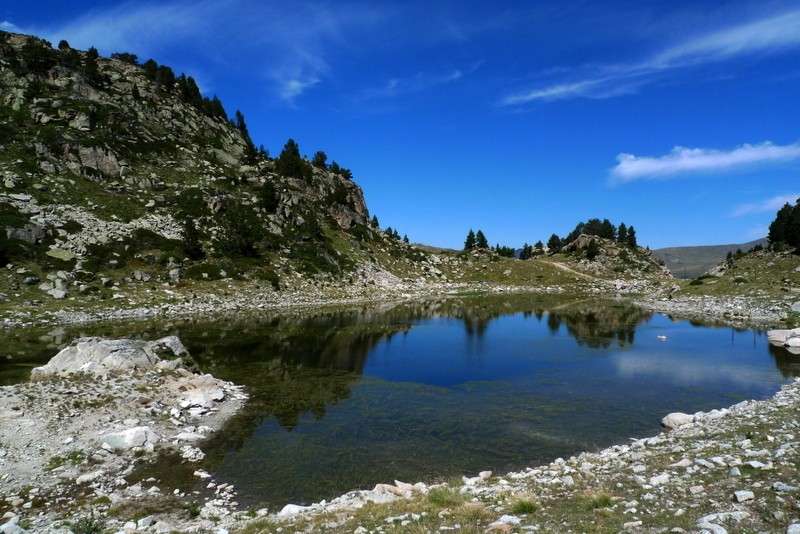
201	391
30	233
60	254
784	338
139	436
676	419
102	356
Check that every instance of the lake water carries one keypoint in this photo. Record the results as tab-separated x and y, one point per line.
346	399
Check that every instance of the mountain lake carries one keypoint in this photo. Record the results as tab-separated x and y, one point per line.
345	398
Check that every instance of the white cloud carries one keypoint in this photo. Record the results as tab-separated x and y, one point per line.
683	160
764	36
769	205
9	27
414	84
554	92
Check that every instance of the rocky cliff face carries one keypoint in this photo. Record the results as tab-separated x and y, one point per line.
102	163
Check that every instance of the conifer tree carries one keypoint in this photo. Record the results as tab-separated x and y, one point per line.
319	160
480	240
469	243
631	242
191	240
622	233
554	243
592	249
289	163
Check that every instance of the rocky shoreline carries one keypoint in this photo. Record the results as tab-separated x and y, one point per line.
728	470
73	436
242	296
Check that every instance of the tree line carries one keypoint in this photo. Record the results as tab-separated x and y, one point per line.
623	235
785	229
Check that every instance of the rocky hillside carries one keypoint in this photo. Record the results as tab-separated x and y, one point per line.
113	173
606	258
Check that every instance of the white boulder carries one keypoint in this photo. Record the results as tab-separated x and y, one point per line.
676	419
102	356
139	436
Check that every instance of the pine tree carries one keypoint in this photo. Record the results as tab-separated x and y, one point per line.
631	242
191	240
375	223
480	240
526	253
622	233
592	249
89	68
607	230
289	163
268	197
554	244
319	160
469	243
238	230
779	228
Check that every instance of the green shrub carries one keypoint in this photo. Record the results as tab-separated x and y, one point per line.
696	282
239	230
191	203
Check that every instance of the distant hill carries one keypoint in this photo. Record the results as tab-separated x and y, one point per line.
690	262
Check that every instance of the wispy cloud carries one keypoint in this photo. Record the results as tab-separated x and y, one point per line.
681	161
416	83
763	36
9	27
769	205
287	44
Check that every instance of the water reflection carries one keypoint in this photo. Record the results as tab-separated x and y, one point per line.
347	398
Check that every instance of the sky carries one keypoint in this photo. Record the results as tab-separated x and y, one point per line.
517	118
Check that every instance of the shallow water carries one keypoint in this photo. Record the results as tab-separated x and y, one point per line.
423	391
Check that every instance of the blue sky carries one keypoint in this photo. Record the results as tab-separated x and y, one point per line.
517	118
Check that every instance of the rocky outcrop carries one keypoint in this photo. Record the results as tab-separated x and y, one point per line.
105	356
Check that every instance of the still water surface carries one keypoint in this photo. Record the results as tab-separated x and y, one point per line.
423	391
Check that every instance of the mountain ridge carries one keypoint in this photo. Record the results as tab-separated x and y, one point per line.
692	261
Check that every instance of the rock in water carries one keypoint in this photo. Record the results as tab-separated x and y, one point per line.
676	419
